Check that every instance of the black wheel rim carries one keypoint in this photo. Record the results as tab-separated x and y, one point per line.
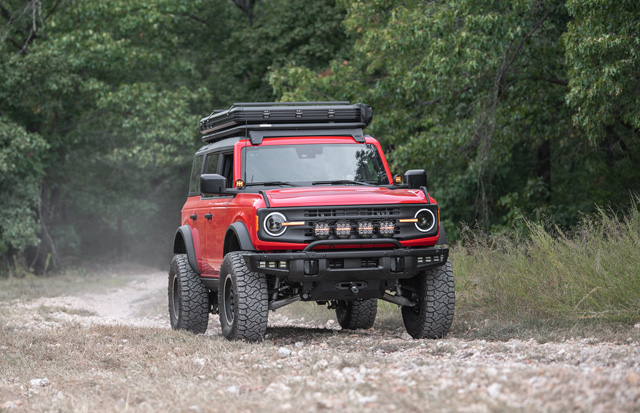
175	290
229	303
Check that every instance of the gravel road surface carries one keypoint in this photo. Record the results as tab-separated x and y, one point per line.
381	368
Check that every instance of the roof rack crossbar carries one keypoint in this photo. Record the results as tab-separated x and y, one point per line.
256	136
298	129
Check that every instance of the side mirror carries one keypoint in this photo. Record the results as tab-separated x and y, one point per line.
212	184
415	178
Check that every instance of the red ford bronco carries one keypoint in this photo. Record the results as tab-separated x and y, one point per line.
292	202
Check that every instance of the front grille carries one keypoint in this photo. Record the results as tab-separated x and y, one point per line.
331	215
351	213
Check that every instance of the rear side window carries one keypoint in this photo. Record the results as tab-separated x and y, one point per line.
194	185
211	166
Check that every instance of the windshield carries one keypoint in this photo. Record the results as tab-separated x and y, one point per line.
335	164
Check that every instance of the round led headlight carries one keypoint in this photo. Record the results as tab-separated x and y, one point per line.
321	230
426	220
386	228
365	229
273	224
343	229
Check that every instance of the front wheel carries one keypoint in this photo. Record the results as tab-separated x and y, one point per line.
434	292
188	297
242	300
356	314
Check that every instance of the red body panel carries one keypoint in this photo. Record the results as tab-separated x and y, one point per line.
209	234
343	195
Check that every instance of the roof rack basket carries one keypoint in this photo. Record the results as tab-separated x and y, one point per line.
263	117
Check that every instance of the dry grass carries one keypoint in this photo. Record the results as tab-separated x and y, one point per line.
592	274
70	281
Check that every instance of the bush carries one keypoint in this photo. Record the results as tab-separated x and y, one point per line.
592	272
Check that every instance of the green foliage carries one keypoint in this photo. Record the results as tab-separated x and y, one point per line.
514	108
475	93
589	273
603	57
116	90
302	33
20	173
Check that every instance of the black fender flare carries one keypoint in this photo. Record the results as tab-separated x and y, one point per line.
442	238
183	244
242	235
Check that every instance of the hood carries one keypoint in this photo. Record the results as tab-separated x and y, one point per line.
343	196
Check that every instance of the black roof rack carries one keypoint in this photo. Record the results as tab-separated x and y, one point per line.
261	119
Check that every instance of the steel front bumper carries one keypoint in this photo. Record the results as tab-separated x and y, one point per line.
348	265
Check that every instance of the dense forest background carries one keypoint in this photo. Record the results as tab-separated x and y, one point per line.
519	108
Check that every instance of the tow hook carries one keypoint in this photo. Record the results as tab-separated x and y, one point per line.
354	288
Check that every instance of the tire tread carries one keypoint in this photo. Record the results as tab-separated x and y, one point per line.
194	297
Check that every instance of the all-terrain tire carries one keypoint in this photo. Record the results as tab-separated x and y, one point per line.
242	299
356	314
188	297
435	292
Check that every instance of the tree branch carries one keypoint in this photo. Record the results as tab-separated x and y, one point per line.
14	42
55	6
5	12
247	7
556	81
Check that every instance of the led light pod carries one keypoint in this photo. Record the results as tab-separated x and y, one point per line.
365	229
321	230
386	228
342	229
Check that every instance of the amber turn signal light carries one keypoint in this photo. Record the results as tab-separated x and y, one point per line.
397	179
239	184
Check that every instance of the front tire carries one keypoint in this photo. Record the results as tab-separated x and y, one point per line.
353	315
243	300
434	291
188	297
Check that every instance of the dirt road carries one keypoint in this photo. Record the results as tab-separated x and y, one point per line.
305	363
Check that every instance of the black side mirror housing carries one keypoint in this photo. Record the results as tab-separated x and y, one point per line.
212	184
415	178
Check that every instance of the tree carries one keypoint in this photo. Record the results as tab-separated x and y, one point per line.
304	33
109	96
462	89
603	58
21	169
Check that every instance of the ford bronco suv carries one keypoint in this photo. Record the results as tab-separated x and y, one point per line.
292	202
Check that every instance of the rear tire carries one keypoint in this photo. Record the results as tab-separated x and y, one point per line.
243	299
357	314
434	291
188	297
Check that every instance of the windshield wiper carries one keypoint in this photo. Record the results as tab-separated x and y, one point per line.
341	182
269	183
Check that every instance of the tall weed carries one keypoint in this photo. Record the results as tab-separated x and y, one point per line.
592	272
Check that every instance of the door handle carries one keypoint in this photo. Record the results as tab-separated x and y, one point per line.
208	216
193	217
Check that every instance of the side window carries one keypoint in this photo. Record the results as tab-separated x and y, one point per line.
211	166
194	185
227	168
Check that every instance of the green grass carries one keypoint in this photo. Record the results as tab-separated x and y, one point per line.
592	273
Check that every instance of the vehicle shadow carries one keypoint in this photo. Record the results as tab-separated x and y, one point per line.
300	333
